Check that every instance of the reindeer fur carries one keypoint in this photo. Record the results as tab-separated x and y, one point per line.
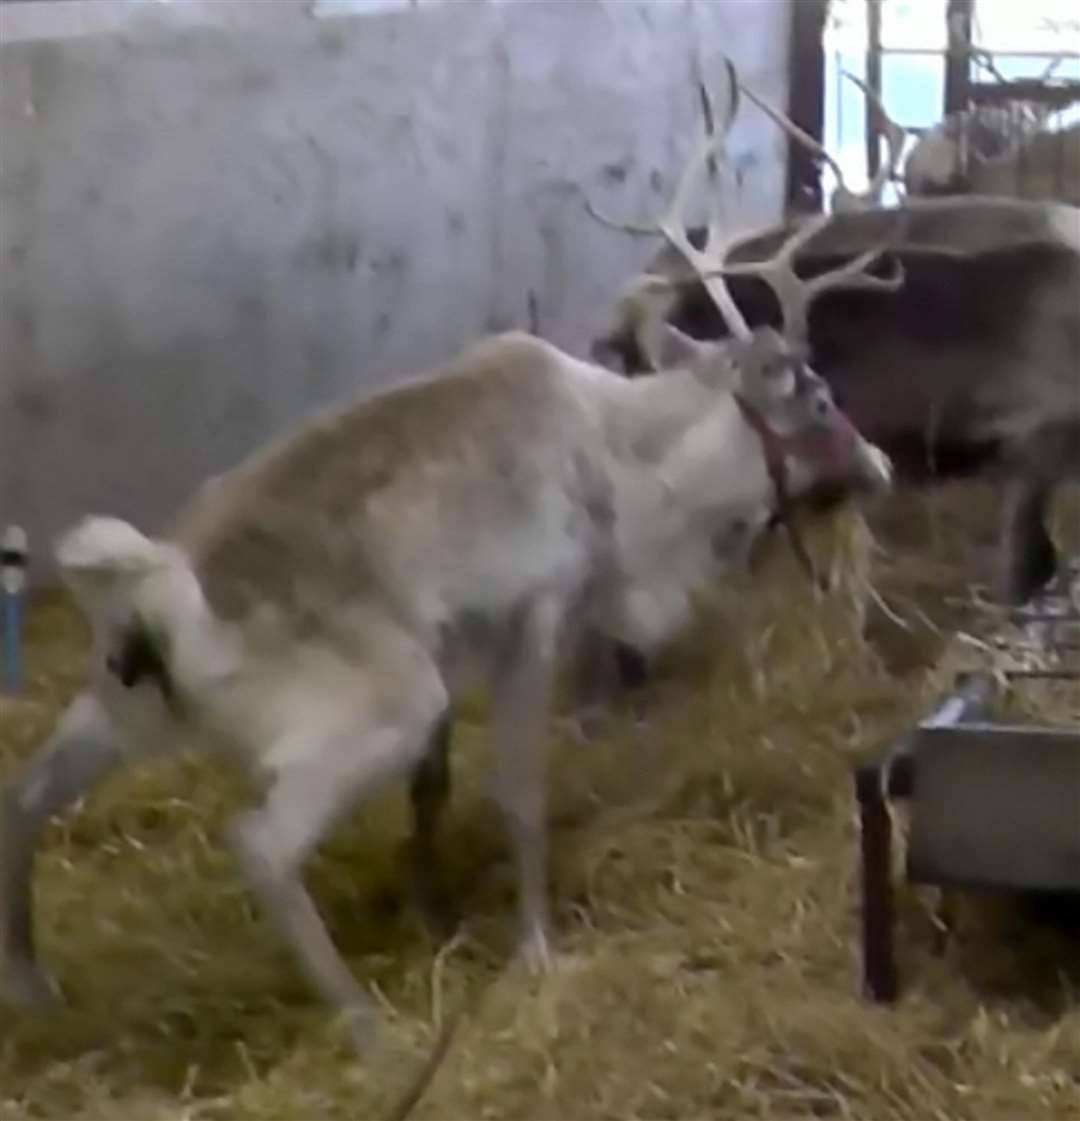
315	611
973	365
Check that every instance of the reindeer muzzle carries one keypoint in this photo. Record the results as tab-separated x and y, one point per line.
841	458
832	451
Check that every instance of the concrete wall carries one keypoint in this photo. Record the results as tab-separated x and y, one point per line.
206	230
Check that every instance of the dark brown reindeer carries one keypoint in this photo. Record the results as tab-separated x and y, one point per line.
975	360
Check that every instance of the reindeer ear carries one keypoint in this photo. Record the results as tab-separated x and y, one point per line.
671	349
778	378
766	365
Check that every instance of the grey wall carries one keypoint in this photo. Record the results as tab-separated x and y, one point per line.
207	230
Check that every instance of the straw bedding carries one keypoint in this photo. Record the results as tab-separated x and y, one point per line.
704	877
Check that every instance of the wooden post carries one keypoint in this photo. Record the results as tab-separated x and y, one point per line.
958	16
875	783
873	82
875	828
806	102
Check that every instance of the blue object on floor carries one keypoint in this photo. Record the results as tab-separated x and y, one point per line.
13	641
14	554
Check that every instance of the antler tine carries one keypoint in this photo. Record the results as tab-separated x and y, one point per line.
714	231
795	295
673	226
778	272
803	137
843	197
714	221
709	151
854	275
895	137
710	262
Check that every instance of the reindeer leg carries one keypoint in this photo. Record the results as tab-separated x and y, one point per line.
314	780
82	750
522	700
429	793
1029	556
633	666
594	683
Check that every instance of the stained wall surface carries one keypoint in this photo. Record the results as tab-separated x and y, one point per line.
208	227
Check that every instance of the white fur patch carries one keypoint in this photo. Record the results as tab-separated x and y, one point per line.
107	544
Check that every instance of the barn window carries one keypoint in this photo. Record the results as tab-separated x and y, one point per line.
1003	51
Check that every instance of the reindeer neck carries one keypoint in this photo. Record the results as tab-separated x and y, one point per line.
691	491
650	415
688	458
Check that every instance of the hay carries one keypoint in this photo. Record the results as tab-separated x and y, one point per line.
703	872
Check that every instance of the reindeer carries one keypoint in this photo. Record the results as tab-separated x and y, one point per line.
975	359
315	611
1004	150
982	152
993	149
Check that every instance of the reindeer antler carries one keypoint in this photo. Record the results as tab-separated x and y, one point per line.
795	295
895	137
843	197
709	151
711	262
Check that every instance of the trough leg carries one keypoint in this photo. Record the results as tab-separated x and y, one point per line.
879	967
875	784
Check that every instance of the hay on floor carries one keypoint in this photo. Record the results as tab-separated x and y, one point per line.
704	879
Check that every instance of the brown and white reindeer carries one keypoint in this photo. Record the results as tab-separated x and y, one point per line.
986	149
315	611
995	150
972	366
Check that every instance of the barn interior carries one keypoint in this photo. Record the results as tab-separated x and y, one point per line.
216	217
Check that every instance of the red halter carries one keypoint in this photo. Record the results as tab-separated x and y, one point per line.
831	448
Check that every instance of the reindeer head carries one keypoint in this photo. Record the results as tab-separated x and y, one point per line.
811	448
808	442
767	369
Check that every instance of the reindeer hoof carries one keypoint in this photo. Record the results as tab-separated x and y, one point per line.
362	1026
26	985
535	953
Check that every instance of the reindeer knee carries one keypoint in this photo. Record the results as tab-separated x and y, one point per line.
268	852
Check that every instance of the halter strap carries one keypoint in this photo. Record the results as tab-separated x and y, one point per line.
775	448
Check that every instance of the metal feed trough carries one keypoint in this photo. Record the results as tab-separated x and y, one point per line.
992	806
